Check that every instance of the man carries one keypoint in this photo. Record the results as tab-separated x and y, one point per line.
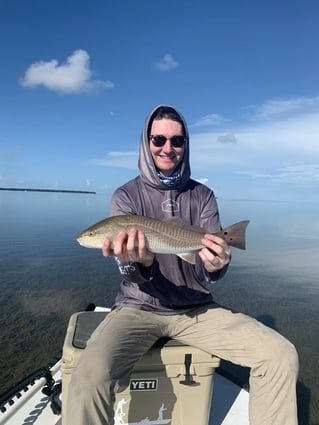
161	295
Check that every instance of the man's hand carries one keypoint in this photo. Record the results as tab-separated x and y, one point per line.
129	246
216	253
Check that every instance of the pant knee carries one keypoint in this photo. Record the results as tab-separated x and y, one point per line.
284	358
88	378
291	358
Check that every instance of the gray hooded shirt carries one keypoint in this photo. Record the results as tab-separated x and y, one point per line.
171	283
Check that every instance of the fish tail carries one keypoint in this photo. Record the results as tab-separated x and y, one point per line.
235	235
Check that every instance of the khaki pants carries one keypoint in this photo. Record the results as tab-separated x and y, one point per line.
127	333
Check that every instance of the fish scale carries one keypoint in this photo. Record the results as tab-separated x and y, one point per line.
162	236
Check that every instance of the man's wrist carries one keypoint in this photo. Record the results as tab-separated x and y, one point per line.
146	269
147	263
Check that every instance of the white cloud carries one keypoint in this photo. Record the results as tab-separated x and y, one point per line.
167	63
126	160
300	174
73	76
278	107
122	154
296	175
210	120
203	180
227	138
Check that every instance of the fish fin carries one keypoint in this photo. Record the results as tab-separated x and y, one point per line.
188	257
234	235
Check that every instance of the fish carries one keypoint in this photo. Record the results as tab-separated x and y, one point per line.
162	237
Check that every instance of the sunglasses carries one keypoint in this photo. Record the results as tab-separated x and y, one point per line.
160	140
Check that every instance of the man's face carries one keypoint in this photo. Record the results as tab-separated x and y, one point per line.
166	157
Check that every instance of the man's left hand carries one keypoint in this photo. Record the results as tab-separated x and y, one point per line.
215	254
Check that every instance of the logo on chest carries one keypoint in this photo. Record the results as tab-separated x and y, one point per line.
170	206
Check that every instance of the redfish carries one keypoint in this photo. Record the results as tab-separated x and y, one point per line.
162	237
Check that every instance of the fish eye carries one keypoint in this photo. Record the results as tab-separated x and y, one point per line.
92	233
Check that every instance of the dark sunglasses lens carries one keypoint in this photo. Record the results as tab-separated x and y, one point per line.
178	141
159	141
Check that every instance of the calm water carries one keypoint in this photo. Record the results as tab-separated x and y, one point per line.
45	276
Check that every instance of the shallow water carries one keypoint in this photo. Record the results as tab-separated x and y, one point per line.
45	276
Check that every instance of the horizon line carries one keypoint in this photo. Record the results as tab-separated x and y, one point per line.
47	190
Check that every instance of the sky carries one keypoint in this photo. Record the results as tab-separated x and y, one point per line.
79	77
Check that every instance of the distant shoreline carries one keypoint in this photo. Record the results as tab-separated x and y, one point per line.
47	190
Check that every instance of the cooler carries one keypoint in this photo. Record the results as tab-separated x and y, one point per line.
171	384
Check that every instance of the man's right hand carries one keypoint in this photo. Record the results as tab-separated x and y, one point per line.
129	246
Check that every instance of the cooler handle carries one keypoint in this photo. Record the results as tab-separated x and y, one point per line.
188	377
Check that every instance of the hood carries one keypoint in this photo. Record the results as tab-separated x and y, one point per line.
146	164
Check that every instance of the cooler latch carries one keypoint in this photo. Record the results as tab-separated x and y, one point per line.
188	377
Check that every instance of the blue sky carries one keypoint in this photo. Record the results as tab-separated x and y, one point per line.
79	77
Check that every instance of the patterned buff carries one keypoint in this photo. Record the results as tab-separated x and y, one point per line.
170	180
